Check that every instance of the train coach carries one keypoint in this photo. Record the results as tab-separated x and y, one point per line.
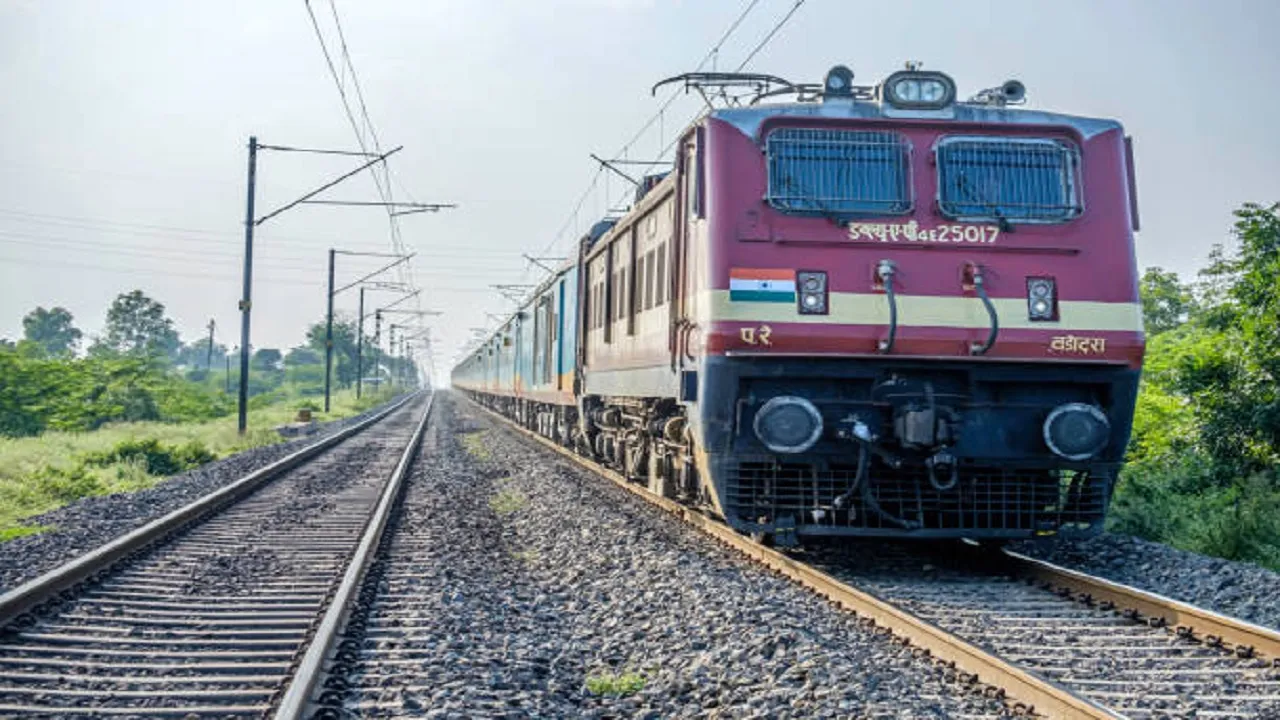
873	310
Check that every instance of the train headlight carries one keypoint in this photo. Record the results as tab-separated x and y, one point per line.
917	89
788	424
1042	298
811	292
1076	431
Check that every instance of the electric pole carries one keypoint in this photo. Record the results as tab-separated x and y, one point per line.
391	346
360	344
209	356
328	336
251	221
377	345
245	297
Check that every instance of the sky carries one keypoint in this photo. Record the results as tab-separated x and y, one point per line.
125	125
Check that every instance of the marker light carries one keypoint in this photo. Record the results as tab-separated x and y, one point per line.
811	292
922	90
1042	299
839	82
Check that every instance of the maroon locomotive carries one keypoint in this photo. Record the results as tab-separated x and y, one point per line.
871	311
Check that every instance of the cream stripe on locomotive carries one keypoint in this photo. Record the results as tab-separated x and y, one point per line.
929	311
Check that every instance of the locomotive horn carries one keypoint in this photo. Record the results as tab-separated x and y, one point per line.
1013	91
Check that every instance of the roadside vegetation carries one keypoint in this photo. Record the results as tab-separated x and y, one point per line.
474	444
508	499
1203	470
138	405
616	685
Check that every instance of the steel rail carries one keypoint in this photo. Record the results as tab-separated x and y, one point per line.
1024	691
297	699
25	597
1187	621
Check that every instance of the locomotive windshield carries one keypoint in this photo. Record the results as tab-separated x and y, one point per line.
843	174
1027	180
838	173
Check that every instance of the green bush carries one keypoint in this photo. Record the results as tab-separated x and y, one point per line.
41	393
1177	503
158	458
66	485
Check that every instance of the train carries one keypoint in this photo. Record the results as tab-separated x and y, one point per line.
851	310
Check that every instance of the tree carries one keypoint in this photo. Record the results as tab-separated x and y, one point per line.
1166	302
1203	468
1225	363
302	355
52	330
136	325
1257	289
344	348
196	355
266	359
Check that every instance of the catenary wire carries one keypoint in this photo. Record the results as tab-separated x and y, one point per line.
595	178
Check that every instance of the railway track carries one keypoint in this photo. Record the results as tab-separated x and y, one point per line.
391	629
1053	642
211	611
1136	654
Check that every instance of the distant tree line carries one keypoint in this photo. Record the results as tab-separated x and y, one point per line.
138	368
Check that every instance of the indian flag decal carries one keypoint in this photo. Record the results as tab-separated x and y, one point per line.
762	285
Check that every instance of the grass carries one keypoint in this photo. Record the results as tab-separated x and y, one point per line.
528	557
19	531
43	473
508	500
619	685
474	444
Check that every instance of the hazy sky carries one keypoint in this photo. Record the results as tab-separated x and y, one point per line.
124	124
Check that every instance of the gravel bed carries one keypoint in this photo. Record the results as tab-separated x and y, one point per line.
517	581
1232	588
93	521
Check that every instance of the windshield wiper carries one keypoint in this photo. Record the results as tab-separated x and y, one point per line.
963	184
823	210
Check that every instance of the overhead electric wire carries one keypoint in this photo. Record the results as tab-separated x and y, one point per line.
595	178
182	248
152	273
206	276
355	79
180	257
233	239
383	193
750	56
768	38
384	184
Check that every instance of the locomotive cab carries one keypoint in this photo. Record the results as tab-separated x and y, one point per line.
914	316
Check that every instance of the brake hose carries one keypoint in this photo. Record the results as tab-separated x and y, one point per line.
886	270
870	503
980	286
